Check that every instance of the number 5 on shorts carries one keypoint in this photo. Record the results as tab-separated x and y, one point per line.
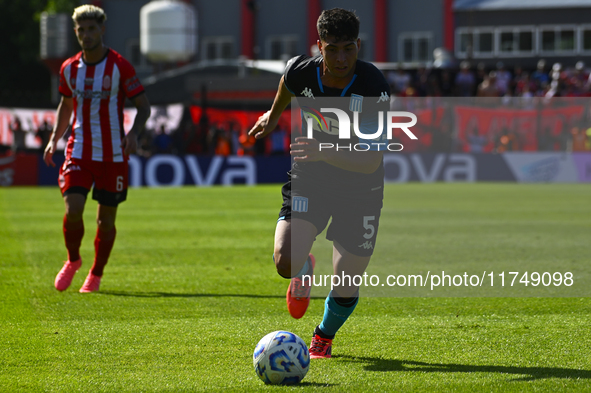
368	226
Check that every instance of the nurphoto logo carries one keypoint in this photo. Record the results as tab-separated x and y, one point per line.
344	128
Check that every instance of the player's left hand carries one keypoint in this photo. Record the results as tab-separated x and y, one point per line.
129	143
306	149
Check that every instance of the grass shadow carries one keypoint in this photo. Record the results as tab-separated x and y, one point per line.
185	295
525	373
305	384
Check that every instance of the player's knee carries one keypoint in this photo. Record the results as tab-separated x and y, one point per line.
105	224
74	206
282	263
74	213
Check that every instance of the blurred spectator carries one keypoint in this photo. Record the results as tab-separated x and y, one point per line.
552	90
446	84
540	76
399	80
517	77
247	143
479	77
587	86
433	88
465	81
527	97
279	140
476	142
507	141
43	134
579	78
162	142
212	138
503	79
199	140
522	82
222	142
18	134
234	138
409	92
579	139
488	87
421	81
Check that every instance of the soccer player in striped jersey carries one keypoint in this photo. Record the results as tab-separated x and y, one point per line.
94	85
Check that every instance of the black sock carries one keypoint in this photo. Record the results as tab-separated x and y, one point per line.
318	332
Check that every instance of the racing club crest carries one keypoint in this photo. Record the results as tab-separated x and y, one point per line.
299	204
356	103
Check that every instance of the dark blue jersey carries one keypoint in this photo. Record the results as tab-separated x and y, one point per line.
368	93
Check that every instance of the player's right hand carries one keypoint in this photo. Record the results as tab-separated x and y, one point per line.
263	126
48	154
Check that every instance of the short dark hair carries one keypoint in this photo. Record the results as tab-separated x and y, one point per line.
343	25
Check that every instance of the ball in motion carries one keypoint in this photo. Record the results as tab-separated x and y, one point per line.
281	358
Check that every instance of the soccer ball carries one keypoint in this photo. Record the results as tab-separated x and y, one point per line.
281	358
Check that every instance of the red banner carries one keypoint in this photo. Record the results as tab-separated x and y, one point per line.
19	169
244	119
486	128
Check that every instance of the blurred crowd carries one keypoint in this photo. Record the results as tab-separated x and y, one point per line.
503	88
514	87
207	138
478	81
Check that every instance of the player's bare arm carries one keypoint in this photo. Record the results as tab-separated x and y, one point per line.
64	112
268	121
129	142
308	150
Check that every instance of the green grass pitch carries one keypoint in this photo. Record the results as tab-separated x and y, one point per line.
190	289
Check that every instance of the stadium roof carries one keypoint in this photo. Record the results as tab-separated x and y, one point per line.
497	5
223	83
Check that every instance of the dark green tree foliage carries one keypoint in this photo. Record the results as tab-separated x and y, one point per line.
24	79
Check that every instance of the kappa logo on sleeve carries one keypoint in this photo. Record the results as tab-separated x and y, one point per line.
383	97
307	92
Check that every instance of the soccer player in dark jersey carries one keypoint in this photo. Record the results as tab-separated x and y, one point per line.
345	185
94	85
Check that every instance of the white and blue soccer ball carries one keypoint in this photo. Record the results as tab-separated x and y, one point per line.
281	358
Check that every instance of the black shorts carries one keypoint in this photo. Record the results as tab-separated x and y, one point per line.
355	215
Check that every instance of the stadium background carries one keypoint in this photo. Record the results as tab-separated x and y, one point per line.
430	51
191	287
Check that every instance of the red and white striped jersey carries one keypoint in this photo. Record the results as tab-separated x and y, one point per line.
98	91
